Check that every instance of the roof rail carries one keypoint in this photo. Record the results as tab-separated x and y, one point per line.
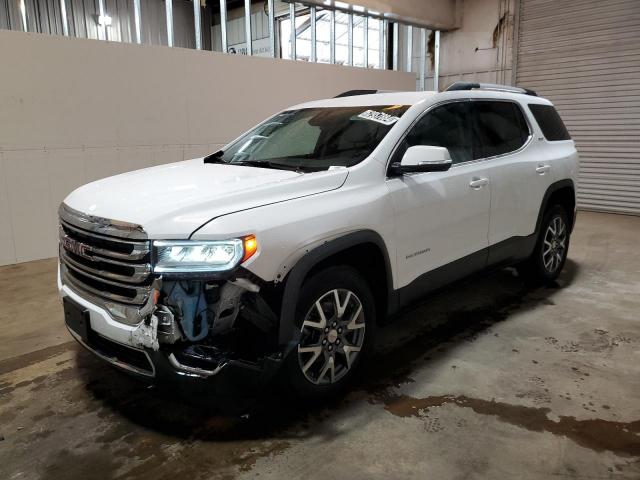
353	93
488	86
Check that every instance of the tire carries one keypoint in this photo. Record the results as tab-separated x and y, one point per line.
331	351
550	253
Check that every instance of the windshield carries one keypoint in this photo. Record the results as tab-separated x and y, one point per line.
313	139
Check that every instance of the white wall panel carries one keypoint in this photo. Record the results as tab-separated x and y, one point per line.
167	154
30	203
7	248
134	158
196	151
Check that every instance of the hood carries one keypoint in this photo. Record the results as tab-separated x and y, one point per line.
171	201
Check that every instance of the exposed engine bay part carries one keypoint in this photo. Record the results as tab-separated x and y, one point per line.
227	308
246	284
188	298
201	309
168	330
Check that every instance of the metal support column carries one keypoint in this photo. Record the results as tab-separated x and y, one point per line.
196	24
436	61
409	47
63	14
423	54
350	39
247	27
396	46
365	26
23	16
292	34
136	20
102	27
223	26
381	43
272	28
169	9
314	52
332	37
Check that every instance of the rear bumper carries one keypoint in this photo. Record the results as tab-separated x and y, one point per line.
116	343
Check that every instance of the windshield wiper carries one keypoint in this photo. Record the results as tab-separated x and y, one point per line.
266	164
217	158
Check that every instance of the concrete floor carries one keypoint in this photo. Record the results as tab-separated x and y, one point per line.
489	380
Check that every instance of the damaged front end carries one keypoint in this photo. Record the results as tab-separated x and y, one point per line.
175	309
205	328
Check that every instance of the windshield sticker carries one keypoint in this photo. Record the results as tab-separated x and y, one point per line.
380	117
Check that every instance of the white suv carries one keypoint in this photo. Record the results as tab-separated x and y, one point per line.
282	251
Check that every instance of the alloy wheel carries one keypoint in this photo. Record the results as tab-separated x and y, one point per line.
555	244
332	335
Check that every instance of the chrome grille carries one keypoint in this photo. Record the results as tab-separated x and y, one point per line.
106	260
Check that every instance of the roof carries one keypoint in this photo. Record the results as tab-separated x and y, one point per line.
386	98
413	98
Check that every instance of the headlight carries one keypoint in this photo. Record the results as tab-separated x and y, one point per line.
186	256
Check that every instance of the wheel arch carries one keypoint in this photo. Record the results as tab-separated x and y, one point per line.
365	250
562	193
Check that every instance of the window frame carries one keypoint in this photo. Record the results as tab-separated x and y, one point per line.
389	175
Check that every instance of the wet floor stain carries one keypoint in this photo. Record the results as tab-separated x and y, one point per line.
621	438
31	358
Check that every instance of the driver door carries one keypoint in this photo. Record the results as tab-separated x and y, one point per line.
442	218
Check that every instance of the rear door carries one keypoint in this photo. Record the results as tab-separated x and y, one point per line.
520	173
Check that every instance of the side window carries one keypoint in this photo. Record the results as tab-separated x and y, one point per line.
499	128
550	122
445	126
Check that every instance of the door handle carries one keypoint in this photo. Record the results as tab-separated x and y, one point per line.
477	183
542	169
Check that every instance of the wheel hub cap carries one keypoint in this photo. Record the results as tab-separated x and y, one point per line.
332	336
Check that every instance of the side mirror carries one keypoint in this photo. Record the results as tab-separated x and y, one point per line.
423	158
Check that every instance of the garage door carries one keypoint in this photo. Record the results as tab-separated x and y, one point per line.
584	55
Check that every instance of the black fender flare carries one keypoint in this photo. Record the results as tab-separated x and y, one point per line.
288	331
554	187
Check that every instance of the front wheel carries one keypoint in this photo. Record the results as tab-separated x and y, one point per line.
550	253
336	317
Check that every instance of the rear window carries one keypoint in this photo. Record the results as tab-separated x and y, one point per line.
550	122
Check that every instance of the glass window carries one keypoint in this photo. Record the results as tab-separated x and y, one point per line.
323	37
445	126
550	122
314	139
499	128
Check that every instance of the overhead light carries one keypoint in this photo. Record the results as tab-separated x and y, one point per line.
104	20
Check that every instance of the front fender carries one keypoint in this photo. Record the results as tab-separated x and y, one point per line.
289	331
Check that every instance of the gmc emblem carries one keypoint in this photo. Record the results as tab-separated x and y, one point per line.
76	247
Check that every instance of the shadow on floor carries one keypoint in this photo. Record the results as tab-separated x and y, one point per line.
421	335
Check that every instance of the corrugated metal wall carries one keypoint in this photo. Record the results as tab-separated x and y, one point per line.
584	55
43	16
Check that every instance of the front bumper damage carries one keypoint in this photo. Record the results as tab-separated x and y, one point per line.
220	335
